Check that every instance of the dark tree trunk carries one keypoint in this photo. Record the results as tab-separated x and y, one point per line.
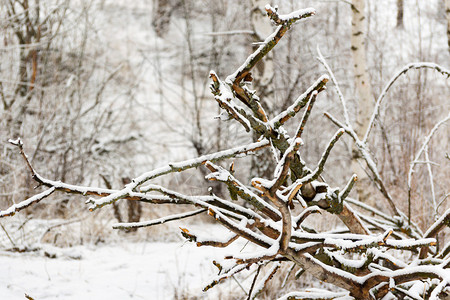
399	13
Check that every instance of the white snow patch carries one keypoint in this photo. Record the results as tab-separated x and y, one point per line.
134	270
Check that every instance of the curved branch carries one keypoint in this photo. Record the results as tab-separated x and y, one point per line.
419	65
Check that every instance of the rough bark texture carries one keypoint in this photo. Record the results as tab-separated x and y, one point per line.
363	89
263	75
350	220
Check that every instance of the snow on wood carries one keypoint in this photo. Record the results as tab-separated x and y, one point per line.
157	221
296	14
223	175
299	103
316	294
171	167
442	221
263	282
10	211
242	230
231	78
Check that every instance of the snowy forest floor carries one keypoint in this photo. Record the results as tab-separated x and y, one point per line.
119	270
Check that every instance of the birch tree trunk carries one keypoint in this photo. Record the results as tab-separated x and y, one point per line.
363	89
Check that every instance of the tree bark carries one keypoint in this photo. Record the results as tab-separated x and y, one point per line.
262	28
399	13
263	74
363	90
161	17
134	208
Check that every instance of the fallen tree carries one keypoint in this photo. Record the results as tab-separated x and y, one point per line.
365	261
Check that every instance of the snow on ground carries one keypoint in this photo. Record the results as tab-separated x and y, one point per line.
148	264
121	271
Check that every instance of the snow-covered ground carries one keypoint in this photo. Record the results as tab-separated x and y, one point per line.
117	271
148	264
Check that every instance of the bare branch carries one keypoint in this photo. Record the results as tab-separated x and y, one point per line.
175	167
419	65
300	102
265	280
158	221
236	269
319	169
417	157
220	174
352	221
306	115
11	211
254	282
336	86
268	45
304	214
343	195
253	237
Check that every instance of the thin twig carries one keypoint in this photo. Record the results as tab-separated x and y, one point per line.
158	221
254	282
419	65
